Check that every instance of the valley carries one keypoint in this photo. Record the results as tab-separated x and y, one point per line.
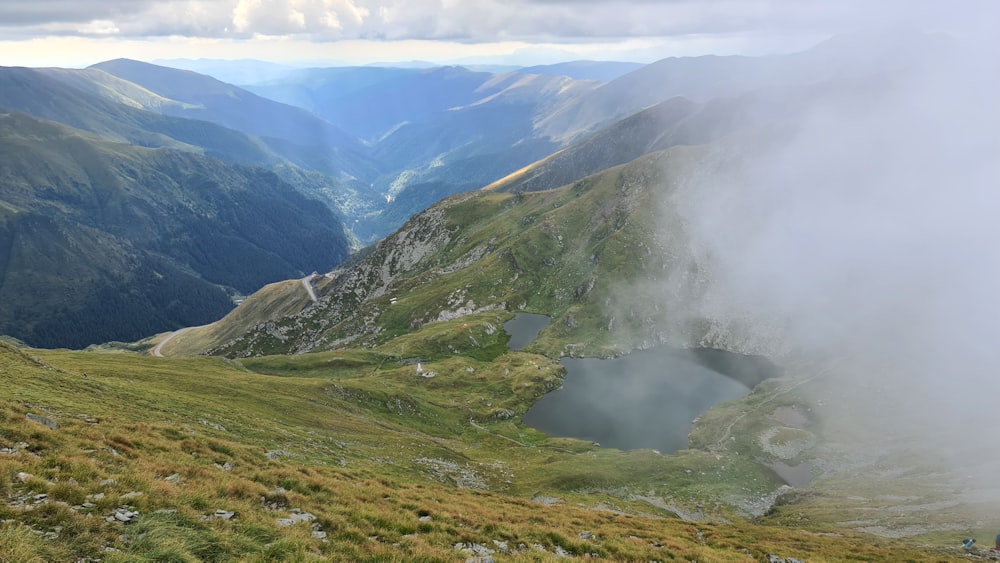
425	260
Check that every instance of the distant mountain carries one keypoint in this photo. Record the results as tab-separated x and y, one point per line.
54	95
710	77
675	122
366	101
434	132
103	241
603	71
212	100
242	71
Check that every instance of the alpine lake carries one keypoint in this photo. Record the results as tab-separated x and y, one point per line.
644	399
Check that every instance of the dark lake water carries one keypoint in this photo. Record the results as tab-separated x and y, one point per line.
524	328
646	399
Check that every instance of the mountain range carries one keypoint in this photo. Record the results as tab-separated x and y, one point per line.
374	145
379	227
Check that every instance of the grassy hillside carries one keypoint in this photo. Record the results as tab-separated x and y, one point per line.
596	256
102	241
584	254
342	456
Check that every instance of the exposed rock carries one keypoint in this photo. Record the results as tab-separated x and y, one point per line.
42	420
123	514
298	516
213	425
23	477
132	495
224	514
448	471
175	479
585	535
474	549
547	501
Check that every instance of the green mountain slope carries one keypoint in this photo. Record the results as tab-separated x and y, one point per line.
582	254
104	241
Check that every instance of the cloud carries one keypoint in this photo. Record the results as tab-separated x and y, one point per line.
860	228
50	12
482	20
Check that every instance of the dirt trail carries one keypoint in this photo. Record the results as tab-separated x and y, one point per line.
309	288
158	351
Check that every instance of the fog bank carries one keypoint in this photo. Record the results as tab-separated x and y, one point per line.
859	231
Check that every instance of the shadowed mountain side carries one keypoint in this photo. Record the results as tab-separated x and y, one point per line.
102	241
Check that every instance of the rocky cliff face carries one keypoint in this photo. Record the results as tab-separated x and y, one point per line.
348	295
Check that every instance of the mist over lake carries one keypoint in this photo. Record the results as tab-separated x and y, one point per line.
646	399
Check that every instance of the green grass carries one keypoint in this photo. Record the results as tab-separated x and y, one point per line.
366	446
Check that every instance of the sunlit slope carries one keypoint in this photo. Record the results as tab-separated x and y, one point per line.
109	86
45	95
272	301
342	457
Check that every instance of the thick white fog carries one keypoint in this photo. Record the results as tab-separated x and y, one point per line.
860	229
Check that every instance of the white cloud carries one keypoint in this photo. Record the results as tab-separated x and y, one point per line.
480	20
601	29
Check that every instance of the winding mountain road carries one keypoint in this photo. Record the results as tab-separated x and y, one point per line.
158	351
309	287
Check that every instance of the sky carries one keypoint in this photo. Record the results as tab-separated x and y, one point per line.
76	33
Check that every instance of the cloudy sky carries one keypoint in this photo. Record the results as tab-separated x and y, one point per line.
81	32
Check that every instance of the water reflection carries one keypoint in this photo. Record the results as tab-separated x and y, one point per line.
646	399
524	328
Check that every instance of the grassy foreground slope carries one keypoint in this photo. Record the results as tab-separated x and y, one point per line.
341	456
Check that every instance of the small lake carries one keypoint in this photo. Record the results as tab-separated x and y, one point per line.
646	399
524	328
